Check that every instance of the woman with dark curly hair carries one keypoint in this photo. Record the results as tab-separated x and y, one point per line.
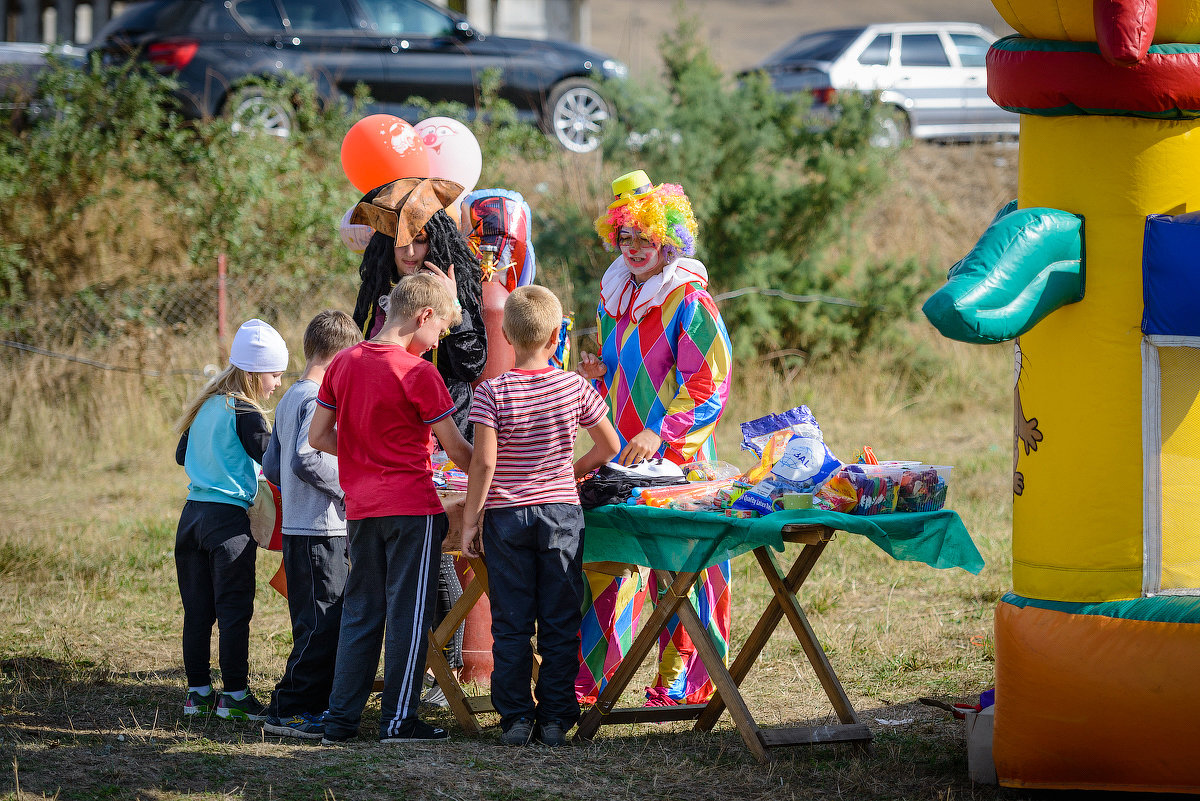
413	233
428	241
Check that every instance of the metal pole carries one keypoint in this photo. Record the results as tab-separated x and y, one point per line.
29	28
101	13
65	27
222	329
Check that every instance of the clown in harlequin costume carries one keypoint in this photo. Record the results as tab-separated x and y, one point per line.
664	370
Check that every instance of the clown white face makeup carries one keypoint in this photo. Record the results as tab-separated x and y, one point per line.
412	255
641	256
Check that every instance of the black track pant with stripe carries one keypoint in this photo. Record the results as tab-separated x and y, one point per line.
390	593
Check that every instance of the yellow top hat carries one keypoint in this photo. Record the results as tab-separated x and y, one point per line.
629	186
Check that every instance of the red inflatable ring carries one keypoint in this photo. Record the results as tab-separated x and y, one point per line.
1053	78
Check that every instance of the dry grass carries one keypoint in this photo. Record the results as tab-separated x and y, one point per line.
90	673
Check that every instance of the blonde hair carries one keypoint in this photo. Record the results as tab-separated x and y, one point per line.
531	316
422	291
233	382
328	333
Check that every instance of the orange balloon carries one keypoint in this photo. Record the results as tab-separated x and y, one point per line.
381	148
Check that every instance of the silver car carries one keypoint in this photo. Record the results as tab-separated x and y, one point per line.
930	76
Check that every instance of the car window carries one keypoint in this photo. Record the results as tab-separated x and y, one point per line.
255	15
972	50
318	16
878	52
922	50
394	17
822	46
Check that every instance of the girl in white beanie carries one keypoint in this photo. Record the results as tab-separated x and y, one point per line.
224	434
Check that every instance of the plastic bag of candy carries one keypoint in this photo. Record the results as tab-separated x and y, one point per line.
790	448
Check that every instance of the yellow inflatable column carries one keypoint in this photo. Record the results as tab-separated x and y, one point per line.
1078	524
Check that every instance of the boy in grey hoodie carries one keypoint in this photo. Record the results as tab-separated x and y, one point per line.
314	537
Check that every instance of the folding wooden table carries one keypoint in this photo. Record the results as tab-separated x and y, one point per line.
783	603
687	542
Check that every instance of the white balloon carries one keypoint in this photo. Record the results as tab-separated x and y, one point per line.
453	151
354	236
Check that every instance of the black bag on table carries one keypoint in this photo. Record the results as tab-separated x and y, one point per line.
611	485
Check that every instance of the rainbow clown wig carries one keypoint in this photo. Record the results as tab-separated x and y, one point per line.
662	213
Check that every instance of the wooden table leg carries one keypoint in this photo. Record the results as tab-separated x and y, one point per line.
786	596
435	660
725	684
645	640
761	633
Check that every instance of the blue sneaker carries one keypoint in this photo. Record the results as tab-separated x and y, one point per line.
305	726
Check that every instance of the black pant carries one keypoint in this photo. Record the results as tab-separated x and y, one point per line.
214	560
393	580
449	590
316	570
534	558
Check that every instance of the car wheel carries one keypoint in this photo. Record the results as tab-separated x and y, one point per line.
576	115
891	128
250	110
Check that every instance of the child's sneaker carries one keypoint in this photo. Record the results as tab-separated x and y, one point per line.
337	739
417	731
551	733
304	725
246	708
434	698
199	704
519	733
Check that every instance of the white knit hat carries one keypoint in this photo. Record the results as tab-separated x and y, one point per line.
258	348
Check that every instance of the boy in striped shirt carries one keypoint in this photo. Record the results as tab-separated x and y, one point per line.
522	472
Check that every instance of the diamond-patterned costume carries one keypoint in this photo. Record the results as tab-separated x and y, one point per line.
668	371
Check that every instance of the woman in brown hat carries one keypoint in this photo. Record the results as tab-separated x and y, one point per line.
413	233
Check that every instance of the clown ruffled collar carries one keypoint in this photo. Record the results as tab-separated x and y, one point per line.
620	292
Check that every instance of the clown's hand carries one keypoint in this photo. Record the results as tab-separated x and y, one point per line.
590	367
644	445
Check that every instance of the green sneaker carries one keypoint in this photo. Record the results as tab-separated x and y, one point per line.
244	709
197	704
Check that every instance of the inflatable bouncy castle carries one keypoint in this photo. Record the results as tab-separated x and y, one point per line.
1094	271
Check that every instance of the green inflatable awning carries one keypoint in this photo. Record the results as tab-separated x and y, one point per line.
668	539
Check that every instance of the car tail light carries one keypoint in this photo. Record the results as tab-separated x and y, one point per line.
171	55
824	95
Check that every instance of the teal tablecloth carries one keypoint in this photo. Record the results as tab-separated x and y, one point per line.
674	540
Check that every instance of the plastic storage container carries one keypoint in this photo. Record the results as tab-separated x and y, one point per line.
923	488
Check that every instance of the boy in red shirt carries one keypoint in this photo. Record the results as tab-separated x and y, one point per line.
525	426
384	399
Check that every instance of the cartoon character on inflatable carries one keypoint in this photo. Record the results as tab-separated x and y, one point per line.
1093	267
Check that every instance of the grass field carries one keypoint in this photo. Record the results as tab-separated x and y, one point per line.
91	682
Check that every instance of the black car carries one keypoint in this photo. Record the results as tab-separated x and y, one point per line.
20	65
398	48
